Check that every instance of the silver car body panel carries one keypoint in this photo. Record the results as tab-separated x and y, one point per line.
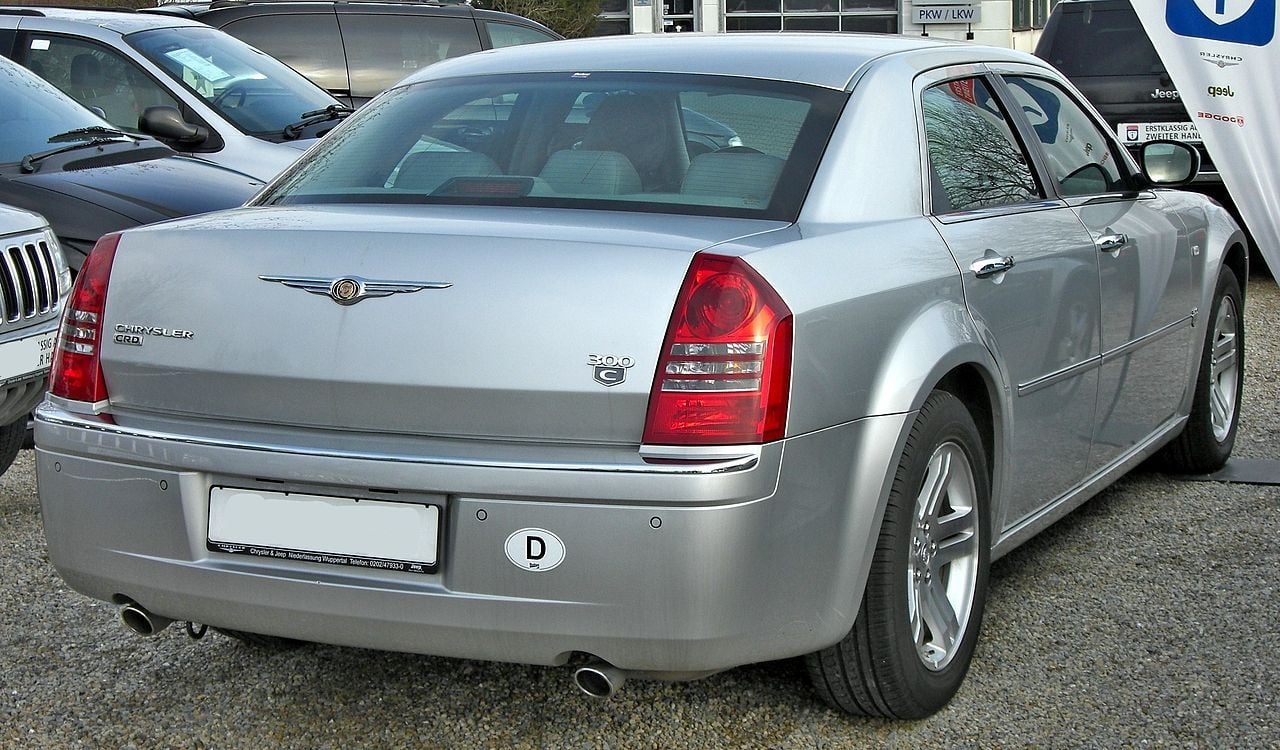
667	564
688	582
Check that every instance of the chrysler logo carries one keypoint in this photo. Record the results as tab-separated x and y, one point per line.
348	290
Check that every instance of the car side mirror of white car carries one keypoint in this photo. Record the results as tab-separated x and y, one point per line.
167	124
1169	163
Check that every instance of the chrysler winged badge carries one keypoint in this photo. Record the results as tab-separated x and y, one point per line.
348	290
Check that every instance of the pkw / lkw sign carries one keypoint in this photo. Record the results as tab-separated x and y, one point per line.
938	12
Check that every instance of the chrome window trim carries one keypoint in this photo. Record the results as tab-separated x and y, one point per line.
957	217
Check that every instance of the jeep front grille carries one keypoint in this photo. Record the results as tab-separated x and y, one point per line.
28	281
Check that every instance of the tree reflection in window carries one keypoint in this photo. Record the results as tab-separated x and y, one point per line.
975	159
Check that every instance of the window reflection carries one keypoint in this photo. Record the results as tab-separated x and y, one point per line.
976	161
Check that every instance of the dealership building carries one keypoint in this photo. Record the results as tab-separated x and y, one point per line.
1003	23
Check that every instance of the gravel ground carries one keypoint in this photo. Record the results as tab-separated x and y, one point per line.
1149	617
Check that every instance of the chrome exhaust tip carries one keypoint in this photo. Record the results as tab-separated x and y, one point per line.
142	622
599	679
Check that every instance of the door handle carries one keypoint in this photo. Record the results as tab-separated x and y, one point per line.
990	265
1111	243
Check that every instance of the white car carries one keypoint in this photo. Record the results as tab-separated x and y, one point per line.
204	93
34	279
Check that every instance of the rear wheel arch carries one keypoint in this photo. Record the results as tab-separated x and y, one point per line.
977	390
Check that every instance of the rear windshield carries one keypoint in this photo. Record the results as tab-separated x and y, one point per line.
635	142
1096	42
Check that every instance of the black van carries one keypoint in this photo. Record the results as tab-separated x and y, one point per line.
357	49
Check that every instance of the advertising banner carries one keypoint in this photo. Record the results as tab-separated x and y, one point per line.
1223	56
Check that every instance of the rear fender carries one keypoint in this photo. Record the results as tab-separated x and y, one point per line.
938	347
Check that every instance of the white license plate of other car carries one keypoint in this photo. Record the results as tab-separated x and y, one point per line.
1141	132
20	358
318	528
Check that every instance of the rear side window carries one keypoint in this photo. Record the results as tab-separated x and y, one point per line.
307	42
974	158
382	49
1091	42
658	143
510	35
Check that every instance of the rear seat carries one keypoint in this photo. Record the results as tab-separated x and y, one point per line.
590	173
747	175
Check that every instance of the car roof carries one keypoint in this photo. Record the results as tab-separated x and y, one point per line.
122	21
238	8
818	59
204	5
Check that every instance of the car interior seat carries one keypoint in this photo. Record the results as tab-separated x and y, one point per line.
645	128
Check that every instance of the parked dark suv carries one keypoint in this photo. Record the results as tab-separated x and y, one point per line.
1101	46
357	49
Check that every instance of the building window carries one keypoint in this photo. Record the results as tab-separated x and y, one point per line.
812	15
615	18
679	15
1031	14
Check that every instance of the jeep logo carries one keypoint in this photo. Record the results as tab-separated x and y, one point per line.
1220	91
1166	94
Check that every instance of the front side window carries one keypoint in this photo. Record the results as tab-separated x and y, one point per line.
254	91
633	142
975	160
1079	156
98	77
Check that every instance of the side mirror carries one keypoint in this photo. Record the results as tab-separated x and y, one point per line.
1169	163
166	123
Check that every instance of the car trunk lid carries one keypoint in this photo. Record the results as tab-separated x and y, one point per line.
527	327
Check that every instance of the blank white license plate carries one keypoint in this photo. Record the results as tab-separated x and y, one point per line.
317	528
20	358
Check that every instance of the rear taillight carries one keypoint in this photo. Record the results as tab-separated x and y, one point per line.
725	372
77	370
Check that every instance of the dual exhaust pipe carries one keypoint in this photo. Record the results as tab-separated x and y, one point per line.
598	679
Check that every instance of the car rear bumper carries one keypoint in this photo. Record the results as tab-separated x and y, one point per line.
673	569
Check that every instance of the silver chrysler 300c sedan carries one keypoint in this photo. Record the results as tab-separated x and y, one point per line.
504	369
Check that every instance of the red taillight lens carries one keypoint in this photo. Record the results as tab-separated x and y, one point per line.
725	372
77	370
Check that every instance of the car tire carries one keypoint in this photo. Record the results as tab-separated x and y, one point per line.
1210	433
892	663
12	436
265	642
